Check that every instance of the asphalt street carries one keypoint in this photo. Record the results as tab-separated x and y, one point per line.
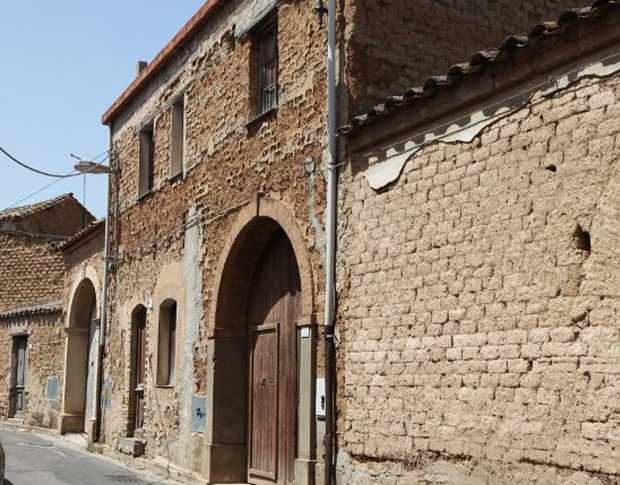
42	460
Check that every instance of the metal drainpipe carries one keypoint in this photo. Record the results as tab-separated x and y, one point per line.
330	263
104	296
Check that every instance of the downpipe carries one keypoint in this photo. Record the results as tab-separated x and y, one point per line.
104	300
330	258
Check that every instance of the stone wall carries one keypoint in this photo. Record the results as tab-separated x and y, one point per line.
45	360
481	304
397	44
31	272
168	243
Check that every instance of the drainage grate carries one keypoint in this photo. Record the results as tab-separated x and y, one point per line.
125	478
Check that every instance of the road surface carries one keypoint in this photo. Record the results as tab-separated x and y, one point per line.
47	460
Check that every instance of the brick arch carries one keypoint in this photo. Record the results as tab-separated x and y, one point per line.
253	226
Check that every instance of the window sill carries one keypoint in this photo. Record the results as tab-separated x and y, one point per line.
146	195
270	113
177	177
165	386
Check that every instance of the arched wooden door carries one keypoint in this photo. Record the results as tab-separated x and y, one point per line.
273	309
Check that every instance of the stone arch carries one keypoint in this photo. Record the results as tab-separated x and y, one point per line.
254	224
81	348
228	344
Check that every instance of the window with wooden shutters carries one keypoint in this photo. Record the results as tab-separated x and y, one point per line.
146	168
177	138
268	67
166	353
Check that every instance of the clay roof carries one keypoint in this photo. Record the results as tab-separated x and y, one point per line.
157	64
26	210
541	34
91	228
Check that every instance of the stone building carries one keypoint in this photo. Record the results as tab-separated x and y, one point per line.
480	274
31	307
216	222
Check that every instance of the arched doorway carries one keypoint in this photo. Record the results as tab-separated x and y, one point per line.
81	362
273	309
261	353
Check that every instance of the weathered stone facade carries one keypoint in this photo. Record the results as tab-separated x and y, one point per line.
480	276
194	239
31	290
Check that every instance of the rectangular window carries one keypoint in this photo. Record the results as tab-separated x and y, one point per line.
177	138
166	349
268	67
147	161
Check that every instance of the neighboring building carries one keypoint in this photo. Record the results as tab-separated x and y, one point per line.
217	236
481	275
31	309
83	263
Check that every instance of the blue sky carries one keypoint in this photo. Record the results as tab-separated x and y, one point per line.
62	64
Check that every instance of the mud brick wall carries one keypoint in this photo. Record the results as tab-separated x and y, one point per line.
397	44
481	335
45	360
31	272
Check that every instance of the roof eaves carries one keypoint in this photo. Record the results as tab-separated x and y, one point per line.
482	61
158	63
26	210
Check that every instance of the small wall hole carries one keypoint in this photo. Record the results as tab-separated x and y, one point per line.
581	239
551	168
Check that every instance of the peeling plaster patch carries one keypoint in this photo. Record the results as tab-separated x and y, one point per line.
386	165
194	313
384	168
384	173
604	68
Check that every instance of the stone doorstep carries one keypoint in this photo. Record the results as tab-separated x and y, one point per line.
132	446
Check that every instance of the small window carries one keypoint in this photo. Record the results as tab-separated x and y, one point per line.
166	349
147	167
177	138
267	66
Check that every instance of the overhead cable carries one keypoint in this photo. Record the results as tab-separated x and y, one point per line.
41	172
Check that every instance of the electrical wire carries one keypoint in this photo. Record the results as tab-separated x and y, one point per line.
47	174
74	173
15	204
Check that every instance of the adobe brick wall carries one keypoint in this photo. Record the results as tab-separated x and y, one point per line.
31	272
45	360
397	44
481	338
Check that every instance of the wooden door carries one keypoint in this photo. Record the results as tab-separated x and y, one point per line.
139	370
20	346
274	307
91	362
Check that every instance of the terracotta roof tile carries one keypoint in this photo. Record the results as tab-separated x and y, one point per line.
26	210
65	244
481	61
